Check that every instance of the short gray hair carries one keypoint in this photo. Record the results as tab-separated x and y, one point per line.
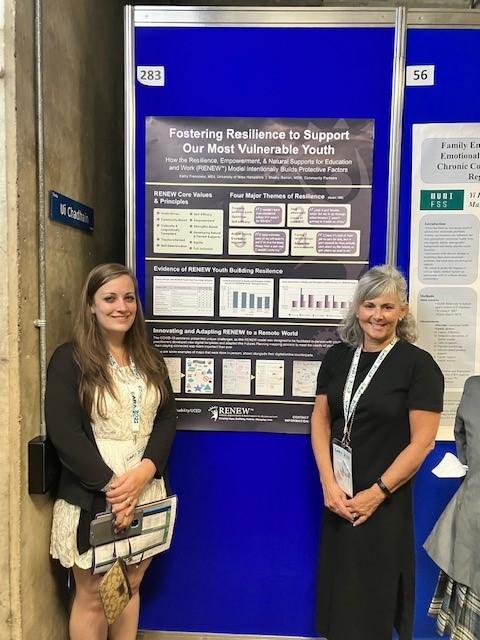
377	281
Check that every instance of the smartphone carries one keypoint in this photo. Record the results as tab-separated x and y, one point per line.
102	529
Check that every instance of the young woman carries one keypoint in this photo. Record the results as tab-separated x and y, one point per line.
111	415
375	419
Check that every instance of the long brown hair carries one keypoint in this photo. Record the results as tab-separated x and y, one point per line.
90	350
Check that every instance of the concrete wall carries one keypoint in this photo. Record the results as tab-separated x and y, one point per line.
83	104
9	395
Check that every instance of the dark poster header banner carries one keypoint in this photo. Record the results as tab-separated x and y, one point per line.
257	231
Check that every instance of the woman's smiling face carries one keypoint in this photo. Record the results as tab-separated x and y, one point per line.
378	319
115	305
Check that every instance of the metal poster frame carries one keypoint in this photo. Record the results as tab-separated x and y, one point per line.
212	465
235	17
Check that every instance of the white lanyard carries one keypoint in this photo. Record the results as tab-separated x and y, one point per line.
136	390
349	403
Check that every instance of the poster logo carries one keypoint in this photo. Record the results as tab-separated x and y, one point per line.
449	199
214	411
229	413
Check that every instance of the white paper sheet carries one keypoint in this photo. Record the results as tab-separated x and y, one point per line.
450	467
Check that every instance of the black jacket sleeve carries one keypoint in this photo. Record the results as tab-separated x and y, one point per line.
67	423
163	432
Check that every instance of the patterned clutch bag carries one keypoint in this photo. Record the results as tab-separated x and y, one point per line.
115	591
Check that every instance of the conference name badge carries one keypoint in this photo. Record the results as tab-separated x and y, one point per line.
134	457
342	466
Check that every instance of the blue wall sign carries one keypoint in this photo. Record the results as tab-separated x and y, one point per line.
70	212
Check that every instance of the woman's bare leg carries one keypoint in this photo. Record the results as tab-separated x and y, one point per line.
87	617
125	627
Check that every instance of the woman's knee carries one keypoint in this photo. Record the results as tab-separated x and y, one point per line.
86	589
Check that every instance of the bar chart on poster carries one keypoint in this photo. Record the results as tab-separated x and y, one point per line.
250	297
326	299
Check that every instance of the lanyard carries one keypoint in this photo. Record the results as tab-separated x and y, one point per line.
349	403
135	390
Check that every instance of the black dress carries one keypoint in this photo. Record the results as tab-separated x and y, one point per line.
366	581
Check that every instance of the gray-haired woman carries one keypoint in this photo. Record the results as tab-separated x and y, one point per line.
376	414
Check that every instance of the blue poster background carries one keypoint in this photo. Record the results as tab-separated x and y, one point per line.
224	575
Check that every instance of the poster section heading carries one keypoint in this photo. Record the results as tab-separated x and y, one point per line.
243	376
444	270
259	151
249	272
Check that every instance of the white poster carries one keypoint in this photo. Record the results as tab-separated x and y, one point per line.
444	264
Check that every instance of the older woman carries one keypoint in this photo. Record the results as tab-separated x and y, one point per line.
376	414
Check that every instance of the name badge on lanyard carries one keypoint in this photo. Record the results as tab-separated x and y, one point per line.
135	389
341	450
342	466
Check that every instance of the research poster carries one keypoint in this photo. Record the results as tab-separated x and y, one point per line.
256	233
444	266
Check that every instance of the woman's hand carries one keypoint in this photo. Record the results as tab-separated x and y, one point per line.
123	520
365	503
336	500
125	490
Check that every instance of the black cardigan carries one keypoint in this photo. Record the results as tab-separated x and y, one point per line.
84	472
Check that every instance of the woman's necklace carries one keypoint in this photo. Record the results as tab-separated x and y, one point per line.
120	357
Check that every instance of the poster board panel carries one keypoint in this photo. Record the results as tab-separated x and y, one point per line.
338	71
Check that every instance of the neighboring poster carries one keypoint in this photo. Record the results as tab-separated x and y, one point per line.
257	231
444	266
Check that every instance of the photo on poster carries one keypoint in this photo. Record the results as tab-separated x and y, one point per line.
174	366
304	378
199	376
269	377
236	376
